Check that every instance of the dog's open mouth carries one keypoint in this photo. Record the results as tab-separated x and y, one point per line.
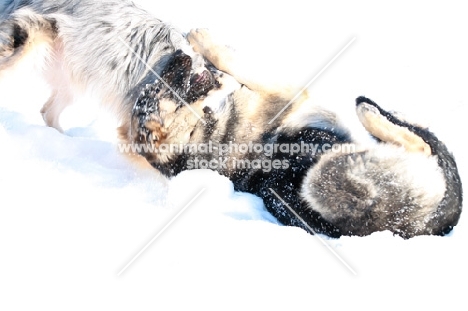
200	85
179	85
183	81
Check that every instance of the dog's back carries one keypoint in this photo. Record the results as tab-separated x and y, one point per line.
107	46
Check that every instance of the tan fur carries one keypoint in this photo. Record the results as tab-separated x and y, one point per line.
398	185
381	128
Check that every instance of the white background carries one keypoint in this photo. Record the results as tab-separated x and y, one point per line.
74	212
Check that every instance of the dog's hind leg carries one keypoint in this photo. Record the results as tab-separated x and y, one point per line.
53	108
25	34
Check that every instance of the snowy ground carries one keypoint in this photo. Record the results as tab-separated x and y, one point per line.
74	212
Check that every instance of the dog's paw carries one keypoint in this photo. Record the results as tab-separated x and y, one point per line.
148	130
200	39
151	132
202	42
147	123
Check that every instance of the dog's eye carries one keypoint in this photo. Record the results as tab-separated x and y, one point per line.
207	110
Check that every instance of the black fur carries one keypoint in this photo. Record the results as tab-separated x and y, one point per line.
280	187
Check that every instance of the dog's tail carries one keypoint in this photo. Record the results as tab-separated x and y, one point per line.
22	30
409	184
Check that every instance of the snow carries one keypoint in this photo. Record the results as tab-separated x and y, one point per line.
74	211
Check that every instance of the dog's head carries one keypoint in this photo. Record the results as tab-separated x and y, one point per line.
167	108
183	83
179	84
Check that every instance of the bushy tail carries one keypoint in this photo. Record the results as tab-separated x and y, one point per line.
409	184
19	29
